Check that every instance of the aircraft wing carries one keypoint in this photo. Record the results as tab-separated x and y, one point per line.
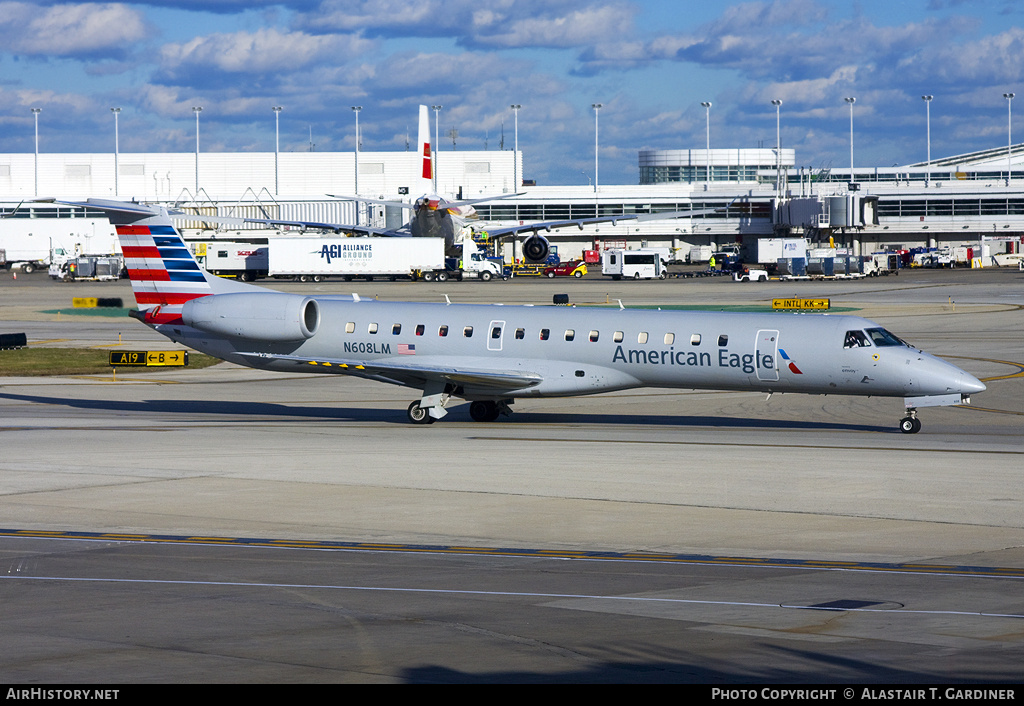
411	204
511	231
412	373
235	221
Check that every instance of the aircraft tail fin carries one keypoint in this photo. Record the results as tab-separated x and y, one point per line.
163	272
425	154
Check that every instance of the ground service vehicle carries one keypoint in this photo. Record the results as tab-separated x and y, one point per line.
750	275
349	258
572	268
632	264
246	261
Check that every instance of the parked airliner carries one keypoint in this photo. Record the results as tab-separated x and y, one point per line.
434	216
490	355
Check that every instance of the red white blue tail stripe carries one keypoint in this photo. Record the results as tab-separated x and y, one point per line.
163	272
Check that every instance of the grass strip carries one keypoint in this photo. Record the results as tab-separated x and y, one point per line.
74	361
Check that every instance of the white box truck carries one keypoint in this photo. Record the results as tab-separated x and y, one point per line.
311	259
348	258
246	261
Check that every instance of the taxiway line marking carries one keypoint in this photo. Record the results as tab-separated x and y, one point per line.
567	554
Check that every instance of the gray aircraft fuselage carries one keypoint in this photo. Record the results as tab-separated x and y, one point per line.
575	350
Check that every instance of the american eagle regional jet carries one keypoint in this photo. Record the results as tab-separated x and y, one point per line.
490	355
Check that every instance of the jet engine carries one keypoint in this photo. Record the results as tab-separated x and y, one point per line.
261	316
536	248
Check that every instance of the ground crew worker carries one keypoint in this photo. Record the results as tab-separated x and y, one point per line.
711	262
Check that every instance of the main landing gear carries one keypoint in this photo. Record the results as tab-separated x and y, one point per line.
479	411
419	415
488	410
910	424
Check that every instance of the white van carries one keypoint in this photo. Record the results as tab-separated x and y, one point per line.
632	264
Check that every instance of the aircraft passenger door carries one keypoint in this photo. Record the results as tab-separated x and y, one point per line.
495	334
766	353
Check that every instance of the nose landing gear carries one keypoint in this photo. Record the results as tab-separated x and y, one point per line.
910	424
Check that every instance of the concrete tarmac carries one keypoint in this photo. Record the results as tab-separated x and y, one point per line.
231	452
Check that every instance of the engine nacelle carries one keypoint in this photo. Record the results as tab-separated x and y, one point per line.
536	248
262	316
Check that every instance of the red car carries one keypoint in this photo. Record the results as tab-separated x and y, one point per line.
575	268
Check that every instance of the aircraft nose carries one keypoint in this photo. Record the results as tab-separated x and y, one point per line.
970	384
933	376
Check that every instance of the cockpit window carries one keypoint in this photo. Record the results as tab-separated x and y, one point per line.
856	339
881	337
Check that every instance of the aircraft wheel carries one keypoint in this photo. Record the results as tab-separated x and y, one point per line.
419	415
483	411
910	425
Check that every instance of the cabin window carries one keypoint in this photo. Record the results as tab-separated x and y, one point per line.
372	328
617	336
695	339
593	336
641	337
496	332
520	334
420	328
442	331
670	338
856	339
544	334
350	327
396	329
723	340
467	332
569	334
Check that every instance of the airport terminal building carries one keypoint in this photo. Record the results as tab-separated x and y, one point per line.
742	195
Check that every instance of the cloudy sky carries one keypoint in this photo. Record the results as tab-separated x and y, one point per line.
649	63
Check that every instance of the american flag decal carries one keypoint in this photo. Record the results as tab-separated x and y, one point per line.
406	349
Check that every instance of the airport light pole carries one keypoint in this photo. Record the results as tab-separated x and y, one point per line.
778	149
116	112
35	114
707	135
851	101
515	149
277	146
437	137
356	109
597	107
1009	139
928	134
197	109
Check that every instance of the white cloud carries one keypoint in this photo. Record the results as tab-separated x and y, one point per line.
265	50
478	23
69	30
